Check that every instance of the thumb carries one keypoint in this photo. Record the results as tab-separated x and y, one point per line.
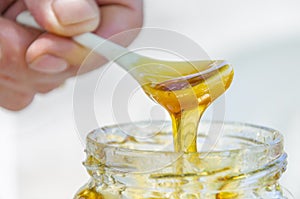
65	17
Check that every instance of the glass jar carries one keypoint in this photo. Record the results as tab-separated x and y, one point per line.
136	161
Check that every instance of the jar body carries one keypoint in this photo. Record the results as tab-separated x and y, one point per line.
92	190
136	161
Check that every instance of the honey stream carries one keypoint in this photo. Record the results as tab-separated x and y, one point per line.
185	97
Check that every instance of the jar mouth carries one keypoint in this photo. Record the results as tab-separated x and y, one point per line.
234	159
258	137
146	146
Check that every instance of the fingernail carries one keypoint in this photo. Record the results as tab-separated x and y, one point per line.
49	64
74	11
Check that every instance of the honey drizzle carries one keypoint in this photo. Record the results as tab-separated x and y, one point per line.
185	99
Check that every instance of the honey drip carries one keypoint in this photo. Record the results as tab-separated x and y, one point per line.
187	98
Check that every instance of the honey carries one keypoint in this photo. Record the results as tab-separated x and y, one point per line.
186	99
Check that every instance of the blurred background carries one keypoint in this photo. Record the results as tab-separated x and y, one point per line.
41	151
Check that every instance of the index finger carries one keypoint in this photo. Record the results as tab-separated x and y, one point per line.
118	16
65	17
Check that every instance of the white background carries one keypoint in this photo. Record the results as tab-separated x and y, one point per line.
40	150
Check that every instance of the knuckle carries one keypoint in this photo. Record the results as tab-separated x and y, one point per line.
46	87
4	4
14	41
21	101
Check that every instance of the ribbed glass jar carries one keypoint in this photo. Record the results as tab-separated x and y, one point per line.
136	161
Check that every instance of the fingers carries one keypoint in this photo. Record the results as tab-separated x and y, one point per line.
19	83
118	16
15	92
14	41
53	54
60	56
13	100
32	62
4	4
65	17
14	95
13	9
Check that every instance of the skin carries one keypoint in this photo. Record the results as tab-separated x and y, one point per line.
34	62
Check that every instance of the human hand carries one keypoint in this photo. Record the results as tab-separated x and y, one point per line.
36	62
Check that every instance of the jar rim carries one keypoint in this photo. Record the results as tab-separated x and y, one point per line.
245	143
92	137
